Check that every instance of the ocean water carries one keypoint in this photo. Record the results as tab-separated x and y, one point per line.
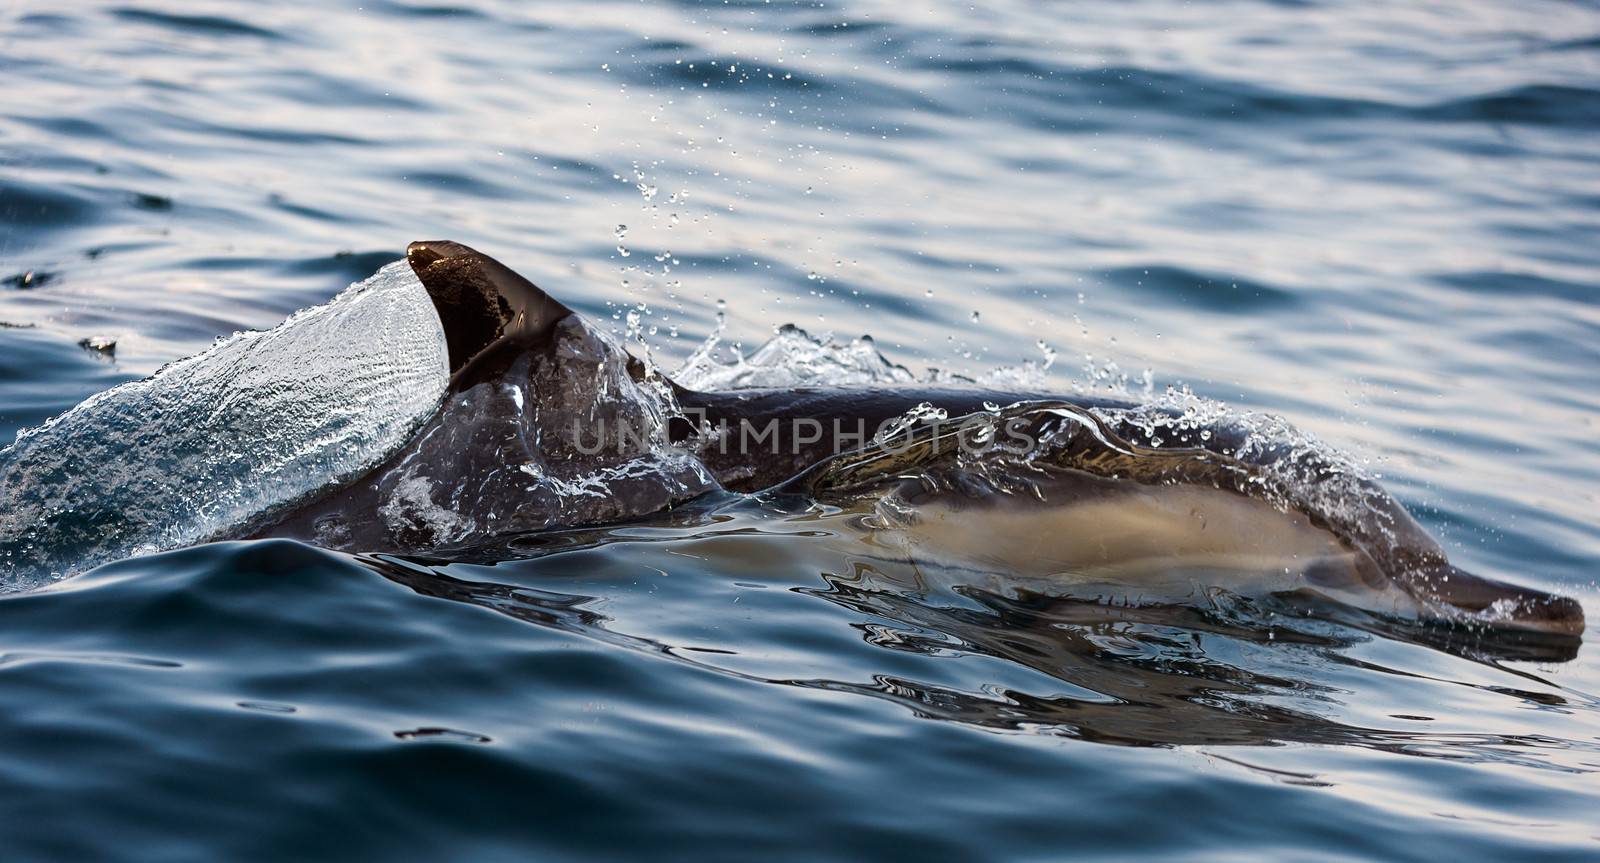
1375	220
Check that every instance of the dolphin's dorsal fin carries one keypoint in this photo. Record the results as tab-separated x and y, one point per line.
481	302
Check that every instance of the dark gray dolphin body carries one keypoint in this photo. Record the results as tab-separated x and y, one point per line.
507	453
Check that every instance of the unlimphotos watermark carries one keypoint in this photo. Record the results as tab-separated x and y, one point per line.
974	435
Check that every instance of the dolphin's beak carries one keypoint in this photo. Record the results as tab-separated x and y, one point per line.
1506	605
481	302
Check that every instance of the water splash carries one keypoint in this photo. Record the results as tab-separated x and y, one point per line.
791	358
1295	461
794	357
257	421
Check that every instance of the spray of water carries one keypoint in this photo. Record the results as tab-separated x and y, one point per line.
259	420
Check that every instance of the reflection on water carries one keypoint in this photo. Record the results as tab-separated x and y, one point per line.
1232	672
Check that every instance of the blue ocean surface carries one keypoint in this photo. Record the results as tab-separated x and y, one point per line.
1376	220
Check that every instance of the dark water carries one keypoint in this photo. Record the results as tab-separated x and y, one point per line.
1374	219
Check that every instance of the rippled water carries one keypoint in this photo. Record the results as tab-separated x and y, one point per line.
1375	220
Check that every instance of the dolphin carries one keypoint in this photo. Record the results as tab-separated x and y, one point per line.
517	446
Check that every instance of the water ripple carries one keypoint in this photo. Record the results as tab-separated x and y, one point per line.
1376	219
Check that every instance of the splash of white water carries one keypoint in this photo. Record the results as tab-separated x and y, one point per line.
793	358
257	421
